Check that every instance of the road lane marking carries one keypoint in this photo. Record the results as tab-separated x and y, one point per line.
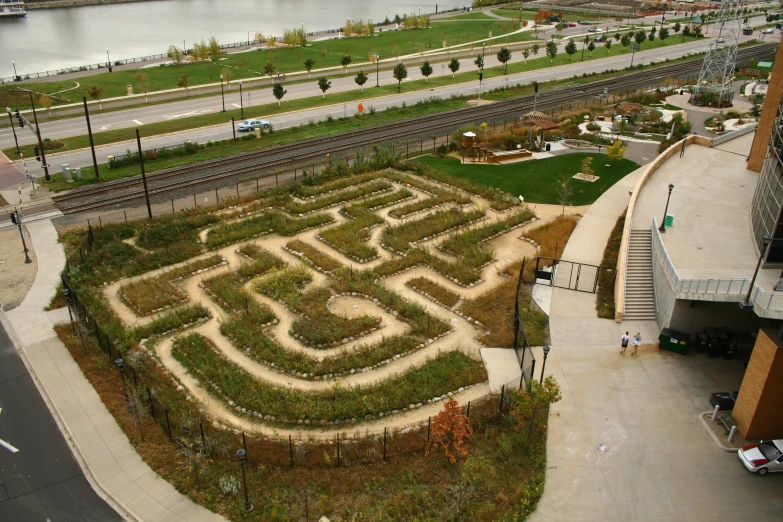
104	127
5	444
236	105
137	122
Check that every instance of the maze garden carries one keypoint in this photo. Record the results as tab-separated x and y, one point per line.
319	308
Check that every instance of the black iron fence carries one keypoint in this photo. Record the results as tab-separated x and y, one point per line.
522	348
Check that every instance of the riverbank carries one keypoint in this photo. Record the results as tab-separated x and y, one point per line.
31	5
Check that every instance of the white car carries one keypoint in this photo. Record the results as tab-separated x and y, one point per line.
764	457
248	125
768	30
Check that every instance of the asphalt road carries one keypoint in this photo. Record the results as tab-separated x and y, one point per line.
42	481
83	158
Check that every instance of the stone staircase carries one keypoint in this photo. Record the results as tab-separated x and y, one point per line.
639	292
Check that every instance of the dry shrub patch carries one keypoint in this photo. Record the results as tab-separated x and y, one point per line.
400	237
148	296
314	256
604	303
350	238
377	202
426	286
282	224
447	372
192	267
552	237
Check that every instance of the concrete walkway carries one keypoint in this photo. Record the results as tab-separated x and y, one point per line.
625	442
108	459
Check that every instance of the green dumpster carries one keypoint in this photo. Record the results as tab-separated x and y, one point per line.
673	341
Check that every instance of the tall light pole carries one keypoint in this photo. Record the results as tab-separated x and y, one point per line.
13	128
662	228
92	142
248	37
119	363
108	59
184	49
241	104
766	238
377	65
16	218
543	366
15	75
45	165
242	455
633	53
222	93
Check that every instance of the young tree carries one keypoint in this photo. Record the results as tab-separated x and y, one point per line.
46	102
479	61
95	93
361	79
525	54
309	63
625	41
269	69
175	53
639	37
617	36
651	38
453	66
323	55
677	27
278	92
663	34
450	431
551	50
225	72
504	55
587	168
608	46
214	49
426	70
686	32
538	397
535	48
184	81
143	84
564	190
570	49
616	151
324	85
345	61
591	48
400	73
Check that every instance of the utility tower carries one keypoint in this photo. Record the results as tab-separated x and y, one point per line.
714	86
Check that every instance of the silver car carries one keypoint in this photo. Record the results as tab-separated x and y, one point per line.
764	457
248	125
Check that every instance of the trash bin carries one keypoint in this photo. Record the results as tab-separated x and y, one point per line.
714	348
730	348
701	342
673	341
548	147
722	399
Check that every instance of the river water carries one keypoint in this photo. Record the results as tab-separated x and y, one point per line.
49	39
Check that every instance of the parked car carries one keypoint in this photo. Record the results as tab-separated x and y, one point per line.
768	30
571	24
721	40
249	125
764	457
747	31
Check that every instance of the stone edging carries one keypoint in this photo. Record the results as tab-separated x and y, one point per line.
712	433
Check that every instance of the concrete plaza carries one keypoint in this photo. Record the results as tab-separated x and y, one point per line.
659	462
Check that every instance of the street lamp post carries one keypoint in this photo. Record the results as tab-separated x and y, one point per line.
45	165
377	65
67	296
662	228
583	48
241	104
13	128
633	53
242	454
16	218
119	363
184	49
222	93
108	61
248	37
766	238
15	75
543	366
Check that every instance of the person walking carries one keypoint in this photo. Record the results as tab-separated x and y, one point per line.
637	340
624	340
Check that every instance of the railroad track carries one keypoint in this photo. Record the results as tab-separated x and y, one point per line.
180	179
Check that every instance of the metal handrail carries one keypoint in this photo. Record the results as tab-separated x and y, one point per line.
735	289
734	134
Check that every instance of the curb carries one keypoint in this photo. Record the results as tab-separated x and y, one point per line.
116	504
714	437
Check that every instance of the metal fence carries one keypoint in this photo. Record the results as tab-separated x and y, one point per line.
765	303
733	134
522	348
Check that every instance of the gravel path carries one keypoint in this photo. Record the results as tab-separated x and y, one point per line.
16	276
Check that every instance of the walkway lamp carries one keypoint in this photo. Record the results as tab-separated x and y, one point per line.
543	366
242	455
222	93
120	364
662	228
766	240
241	104
377	65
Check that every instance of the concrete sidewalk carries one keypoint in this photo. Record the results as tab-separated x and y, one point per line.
625	442
107	457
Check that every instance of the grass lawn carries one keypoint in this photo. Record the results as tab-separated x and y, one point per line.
537	180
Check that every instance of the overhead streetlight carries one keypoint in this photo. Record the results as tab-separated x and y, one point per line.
242	455
222	93
766	240
543	366
13	128
662	228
